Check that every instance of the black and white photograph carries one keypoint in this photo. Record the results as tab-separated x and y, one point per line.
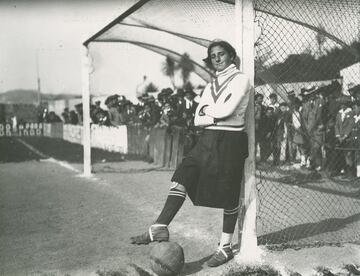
179	137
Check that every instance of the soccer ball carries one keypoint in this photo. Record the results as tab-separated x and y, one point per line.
167	258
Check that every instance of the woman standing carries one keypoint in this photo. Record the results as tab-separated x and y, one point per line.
212	171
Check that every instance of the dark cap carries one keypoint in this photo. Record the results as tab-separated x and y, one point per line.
310	90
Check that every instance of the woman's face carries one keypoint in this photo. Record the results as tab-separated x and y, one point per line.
220	58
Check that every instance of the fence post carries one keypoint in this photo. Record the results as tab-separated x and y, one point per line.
86	63
245	41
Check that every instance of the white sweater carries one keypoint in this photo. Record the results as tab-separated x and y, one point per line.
223	103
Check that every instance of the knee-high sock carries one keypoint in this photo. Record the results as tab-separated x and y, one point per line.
172	205
229	220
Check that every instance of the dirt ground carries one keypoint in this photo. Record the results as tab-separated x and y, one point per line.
56	222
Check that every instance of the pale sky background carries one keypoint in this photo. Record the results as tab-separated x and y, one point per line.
52	32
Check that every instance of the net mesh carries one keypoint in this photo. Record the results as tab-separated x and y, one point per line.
307	182
307	53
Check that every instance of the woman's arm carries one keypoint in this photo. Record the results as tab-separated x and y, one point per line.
237	89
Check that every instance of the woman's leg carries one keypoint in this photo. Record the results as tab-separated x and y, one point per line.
173	203
224	252
158	231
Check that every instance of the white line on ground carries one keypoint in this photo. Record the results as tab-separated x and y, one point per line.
48	158
30	147
63	164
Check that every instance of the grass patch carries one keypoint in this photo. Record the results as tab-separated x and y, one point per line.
264	270
132	269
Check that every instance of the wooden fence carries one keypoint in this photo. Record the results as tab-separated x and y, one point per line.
165	147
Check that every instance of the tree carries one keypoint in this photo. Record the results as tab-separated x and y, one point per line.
320	39
262	59
186	66
168	68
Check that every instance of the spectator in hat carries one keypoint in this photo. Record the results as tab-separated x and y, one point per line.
113	110
94	110
187	114
266	133
291	97
167	117
344	124
150	114
102	118
74	120
53	118
274	102
330	108
313	126
281	133
259	115
164	95
66	115
355	135
190	104
155	110
79	113
129	112
186	108
298	132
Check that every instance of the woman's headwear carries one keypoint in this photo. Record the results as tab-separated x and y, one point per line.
222	43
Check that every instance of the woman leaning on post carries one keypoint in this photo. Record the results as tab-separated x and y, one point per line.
212	171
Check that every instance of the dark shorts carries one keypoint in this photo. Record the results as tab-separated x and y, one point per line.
213	170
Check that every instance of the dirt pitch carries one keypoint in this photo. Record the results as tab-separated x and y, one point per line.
55	222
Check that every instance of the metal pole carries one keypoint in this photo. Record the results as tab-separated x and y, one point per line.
245	40
86	63
38	78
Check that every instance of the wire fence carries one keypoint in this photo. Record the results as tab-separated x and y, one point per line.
307	107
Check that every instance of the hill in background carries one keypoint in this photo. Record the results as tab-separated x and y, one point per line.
28	96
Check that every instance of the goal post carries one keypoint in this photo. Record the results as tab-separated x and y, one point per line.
86	137
245	37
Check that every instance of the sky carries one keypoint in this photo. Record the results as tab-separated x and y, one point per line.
46	37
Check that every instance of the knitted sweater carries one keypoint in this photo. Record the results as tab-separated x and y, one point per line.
223	103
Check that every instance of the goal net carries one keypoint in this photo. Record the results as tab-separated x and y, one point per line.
307	77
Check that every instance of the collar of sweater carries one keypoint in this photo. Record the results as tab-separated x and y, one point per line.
227	71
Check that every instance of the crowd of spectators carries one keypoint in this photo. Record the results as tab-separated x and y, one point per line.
166	110
320	129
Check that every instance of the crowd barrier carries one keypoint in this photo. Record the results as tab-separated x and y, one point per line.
73	133
54	130
164	146
109	138
27	129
